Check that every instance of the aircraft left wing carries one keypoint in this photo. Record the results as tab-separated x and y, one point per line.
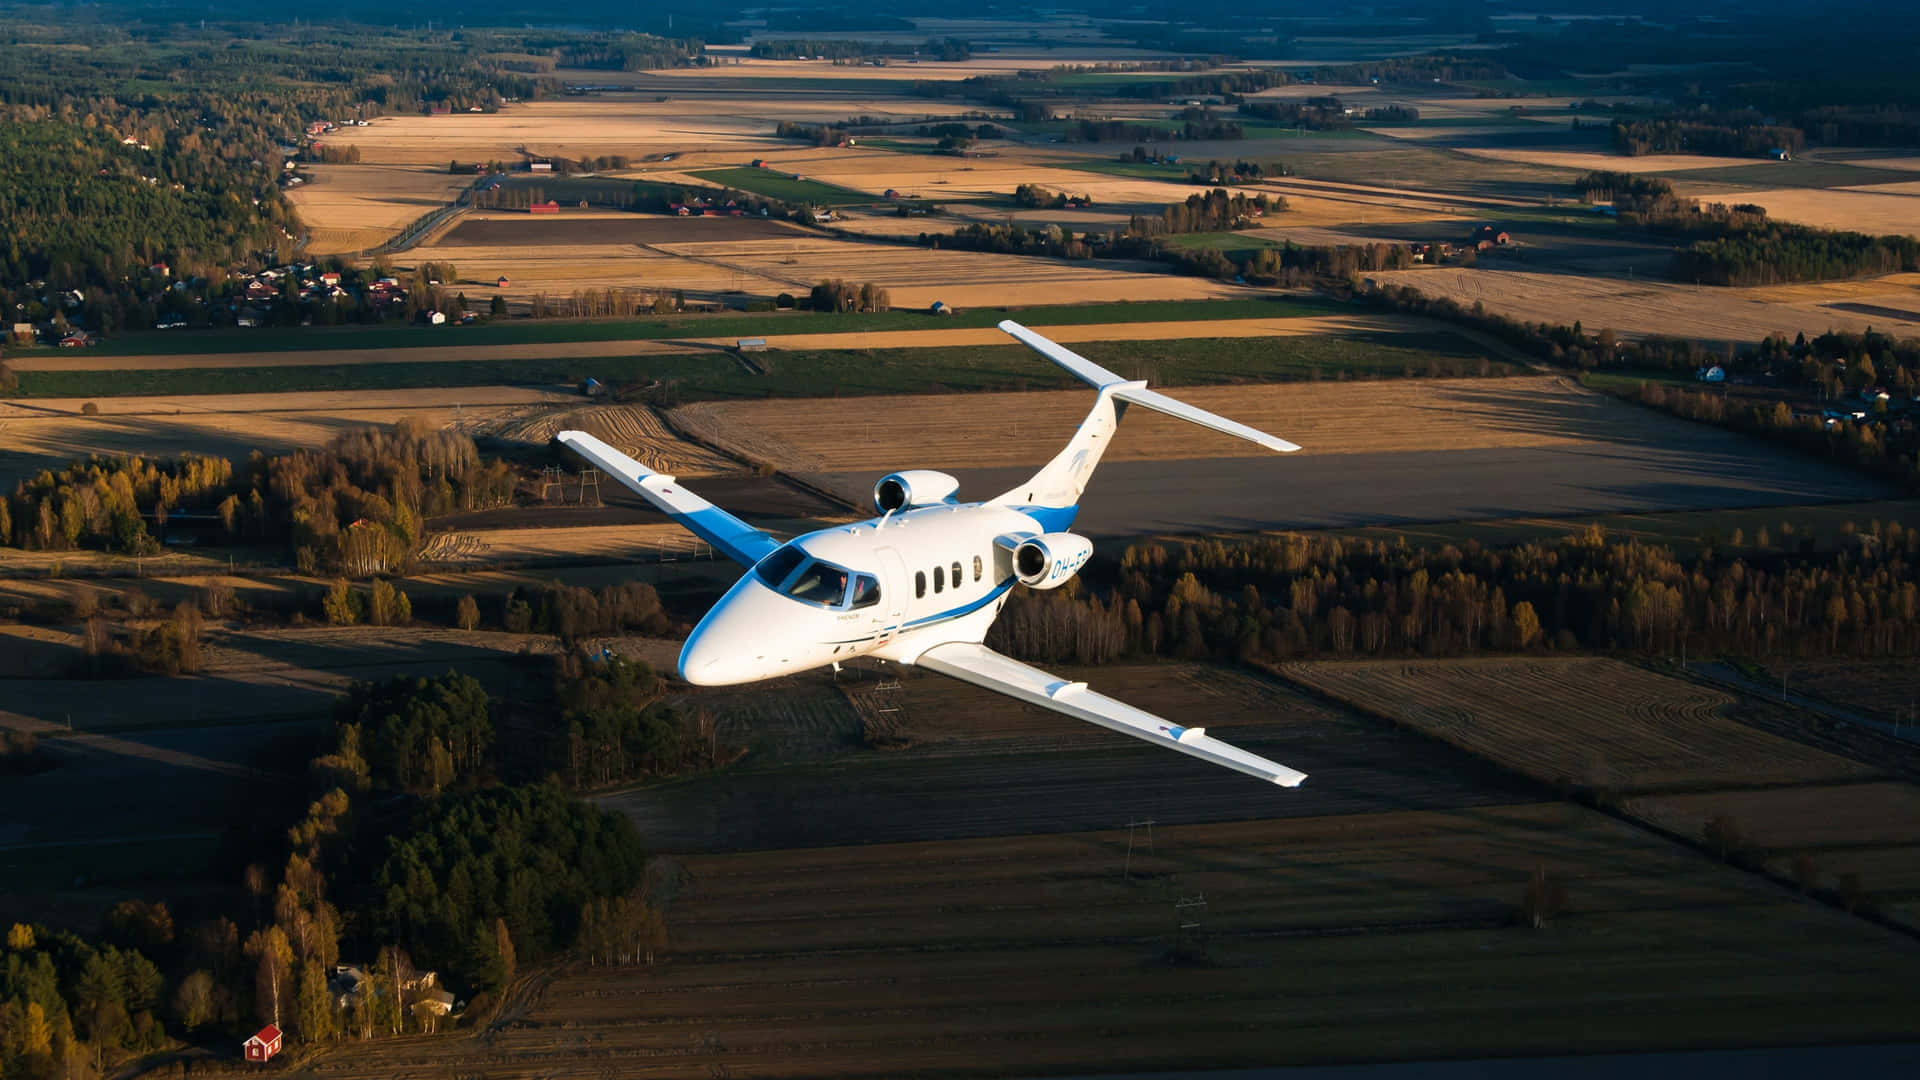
730	536
983	667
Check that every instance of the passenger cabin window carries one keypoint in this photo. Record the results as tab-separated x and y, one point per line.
866	591
939	580
957	576
977	568
919	583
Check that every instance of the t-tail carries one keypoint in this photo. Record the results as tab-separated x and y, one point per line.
1060	483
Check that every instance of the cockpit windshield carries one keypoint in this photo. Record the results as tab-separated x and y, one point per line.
791	572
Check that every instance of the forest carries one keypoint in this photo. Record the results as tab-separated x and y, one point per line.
1293	596
138	165
356	506
70	1007
1738	245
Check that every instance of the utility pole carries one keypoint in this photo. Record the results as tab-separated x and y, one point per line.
1131	827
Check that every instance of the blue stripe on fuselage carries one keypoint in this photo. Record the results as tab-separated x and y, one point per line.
1051	518
964	609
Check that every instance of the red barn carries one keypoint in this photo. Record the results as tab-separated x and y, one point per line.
548	207
264	1044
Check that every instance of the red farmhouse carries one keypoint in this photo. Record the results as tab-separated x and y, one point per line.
264	1044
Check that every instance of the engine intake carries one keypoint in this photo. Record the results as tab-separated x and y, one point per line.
1048	560
915	487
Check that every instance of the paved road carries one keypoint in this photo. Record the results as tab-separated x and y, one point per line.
1130	498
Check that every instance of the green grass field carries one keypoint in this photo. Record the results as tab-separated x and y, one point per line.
827	372
1142	170
1228	242
531	331
779	185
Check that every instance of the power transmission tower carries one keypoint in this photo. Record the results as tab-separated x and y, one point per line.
1132	826
1189	943
550	484
590	478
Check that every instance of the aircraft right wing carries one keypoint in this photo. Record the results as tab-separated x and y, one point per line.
983	667
730	536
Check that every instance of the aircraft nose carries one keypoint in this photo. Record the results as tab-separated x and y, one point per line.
705	661
731	644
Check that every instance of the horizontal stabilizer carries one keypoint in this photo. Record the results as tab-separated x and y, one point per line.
730	536
1135	392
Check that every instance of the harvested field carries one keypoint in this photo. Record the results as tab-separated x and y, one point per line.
1888	690
1637	308
1026	429
1883	209
914	276
633	429
1592	722
1589	161
1861	841
427	354
354	207
590	227
1034	955
1809	817
53	430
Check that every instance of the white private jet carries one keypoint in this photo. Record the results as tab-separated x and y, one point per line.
921	583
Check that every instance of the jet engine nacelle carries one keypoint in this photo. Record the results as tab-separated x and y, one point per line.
915	487
1048	560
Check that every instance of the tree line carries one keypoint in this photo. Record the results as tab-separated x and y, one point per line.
1302	596
1738	244
356	506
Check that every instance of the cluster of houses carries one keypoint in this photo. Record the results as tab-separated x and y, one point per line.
349	985
706	206
1484	239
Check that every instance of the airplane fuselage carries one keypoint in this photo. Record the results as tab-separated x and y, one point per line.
889	587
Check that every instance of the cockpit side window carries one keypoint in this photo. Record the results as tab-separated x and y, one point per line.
775	568
819	583
866	591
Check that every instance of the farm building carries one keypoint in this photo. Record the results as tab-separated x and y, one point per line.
502	283
548	207
751	344
939	307
1489	234
540	166
1711	373
262	1044
1780	154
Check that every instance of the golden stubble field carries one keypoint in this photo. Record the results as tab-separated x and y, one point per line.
637	125
349	208
51	431
914	276
1352	938
1582	720
1880	209
1639	308
848	434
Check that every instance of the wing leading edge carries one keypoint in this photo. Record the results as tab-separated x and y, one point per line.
983	667
730	536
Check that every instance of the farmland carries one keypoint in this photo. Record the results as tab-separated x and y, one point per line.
1592	722
956	957
355	207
